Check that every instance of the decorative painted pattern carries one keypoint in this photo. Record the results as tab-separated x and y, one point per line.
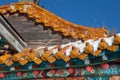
96	73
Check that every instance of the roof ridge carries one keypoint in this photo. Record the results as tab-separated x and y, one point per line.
51	20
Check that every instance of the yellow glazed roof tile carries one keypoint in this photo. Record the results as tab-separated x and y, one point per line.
62	51
51	20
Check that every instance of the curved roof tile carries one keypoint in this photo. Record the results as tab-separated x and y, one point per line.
64	51
51	20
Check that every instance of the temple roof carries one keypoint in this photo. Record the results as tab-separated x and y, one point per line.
51	20
57	60
95	40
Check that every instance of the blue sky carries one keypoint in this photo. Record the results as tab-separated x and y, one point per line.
93	13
